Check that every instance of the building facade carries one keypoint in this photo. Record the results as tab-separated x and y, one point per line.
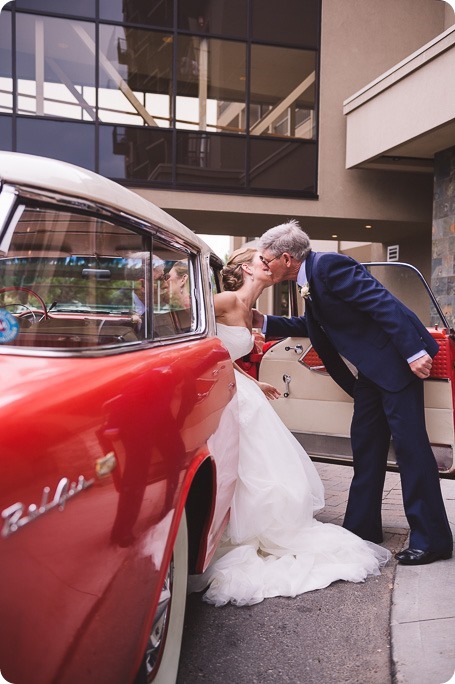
235	116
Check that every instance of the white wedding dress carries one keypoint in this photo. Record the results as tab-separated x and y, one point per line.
273	546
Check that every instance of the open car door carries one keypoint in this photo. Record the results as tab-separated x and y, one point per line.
319	412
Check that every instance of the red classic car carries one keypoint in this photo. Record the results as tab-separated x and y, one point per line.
118	447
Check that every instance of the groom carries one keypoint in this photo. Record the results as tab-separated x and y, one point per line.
348	313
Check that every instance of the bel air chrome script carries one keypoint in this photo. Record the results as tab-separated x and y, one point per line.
15	518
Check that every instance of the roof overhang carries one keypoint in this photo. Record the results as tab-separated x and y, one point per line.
403	118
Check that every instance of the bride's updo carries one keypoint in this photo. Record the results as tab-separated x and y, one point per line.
232	274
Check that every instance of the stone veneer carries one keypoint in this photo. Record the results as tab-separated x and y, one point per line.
443	248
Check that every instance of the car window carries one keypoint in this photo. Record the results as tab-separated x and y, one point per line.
72	281
173	292
408	284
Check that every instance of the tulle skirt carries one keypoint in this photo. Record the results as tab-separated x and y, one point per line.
273	546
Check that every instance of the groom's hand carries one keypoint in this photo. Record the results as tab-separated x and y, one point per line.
422	366
258	319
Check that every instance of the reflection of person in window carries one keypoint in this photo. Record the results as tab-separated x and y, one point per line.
179	286
160	290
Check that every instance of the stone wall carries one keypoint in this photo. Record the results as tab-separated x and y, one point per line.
443	233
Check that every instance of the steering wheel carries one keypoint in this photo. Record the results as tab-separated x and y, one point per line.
19	288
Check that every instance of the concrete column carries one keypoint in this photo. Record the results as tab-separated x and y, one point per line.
443	233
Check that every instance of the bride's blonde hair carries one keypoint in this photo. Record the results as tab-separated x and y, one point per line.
232	274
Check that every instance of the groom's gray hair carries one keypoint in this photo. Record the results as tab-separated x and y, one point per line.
287	237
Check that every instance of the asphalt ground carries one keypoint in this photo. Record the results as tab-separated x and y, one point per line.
398	628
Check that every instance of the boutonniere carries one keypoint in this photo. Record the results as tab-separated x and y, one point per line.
305	291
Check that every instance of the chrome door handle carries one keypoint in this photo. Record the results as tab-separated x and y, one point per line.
287	382
298	348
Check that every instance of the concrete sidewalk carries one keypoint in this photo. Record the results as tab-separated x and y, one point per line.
423	597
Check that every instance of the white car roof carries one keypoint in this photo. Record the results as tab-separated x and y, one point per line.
42	173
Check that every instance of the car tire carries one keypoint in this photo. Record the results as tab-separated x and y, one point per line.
161	659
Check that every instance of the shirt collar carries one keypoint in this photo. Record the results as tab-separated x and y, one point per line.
301	275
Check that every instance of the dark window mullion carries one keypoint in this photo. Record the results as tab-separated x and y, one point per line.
97	83
247	93
174	96
14	77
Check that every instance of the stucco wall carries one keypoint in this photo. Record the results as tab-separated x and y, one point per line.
360	40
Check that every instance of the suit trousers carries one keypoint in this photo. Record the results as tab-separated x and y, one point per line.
378	415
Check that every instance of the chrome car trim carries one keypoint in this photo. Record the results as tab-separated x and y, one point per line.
97	352
8	197
105	465
14	517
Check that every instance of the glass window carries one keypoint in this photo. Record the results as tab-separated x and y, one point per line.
282	92
135	76
135	153
81	8
222	17
55	67
74	281
294	22
149	12
69	141
6	81
210	160
285	165
174	310
6	133
211	79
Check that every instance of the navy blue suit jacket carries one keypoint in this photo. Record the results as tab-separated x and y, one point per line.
351	314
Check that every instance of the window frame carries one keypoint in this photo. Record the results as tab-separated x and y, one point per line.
24	197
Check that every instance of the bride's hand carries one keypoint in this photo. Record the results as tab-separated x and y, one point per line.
270	391
258	319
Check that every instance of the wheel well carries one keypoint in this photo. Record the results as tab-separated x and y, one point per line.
198	508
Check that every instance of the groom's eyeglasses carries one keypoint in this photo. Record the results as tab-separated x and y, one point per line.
268	261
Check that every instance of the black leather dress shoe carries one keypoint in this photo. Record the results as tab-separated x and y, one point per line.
418	557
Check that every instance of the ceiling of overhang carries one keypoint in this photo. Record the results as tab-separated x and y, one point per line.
253	225
416	154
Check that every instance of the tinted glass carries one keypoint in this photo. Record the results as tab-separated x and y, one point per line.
55	67
211	160
68	141
75	281
6	133
174	310
149	12
6	81
135	76
132	153
211	79
81	8
283	165
282	92
292	22
222	17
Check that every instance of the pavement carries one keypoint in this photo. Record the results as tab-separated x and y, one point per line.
422	619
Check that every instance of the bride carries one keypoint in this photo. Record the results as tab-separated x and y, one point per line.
272	546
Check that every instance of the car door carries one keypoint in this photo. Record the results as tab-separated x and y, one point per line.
319	413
